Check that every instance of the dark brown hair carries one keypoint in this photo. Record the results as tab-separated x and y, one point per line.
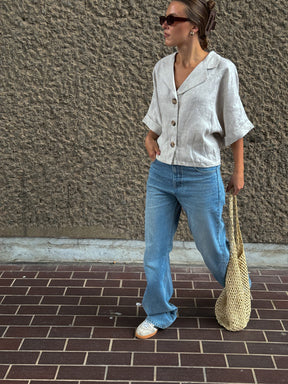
198	11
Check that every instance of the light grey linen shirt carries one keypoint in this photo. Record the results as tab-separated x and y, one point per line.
201	116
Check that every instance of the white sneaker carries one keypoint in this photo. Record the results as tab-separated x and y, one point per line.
146	330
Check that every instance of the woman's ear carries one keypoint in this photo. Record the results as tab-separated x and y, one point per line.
195	29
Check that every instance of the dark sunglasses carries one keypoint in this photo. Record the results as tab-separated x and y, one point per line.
170	19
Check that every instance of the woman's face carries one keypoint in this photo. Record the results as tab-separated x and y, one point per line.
179	32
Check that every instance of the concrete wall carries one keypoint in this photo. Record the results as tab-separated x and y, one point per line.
76	82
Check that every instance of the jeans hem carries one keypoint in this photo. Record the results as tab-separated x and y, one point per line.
157	324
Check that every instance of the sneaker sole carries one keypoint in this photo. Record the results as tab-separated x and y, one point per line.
146	337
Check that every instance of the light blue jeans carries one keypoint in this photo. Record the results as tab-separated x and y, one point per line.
200	192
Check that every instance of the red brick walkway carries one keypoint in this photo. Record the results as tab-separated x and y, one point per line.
74	324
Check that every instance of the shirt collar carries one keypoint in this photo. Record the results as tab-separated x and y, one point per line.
197	76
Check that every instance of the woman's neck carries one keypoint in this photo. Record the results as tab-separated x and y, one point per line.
190	55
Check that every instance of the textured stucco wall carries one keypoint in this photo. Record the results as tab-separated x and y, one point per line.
75	84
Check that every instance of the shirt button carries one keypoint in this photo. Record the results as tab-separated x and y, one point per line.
173	123
174	101
172	144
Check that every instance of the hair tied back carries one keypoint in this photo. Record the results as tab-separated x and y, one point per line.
210	4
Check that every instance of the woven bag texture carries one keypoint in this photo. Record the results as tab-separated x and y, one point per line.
233	306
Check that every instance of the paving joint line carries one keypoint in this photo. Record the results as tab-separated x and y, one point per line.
254	375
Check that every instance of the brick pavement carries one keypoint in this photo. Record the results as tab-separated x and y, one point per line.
74	324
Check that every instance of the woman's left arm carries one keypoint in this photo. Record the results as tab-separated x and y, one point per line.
237	179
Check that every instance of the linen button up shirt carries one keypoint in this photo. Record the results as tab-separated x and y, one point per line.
201	116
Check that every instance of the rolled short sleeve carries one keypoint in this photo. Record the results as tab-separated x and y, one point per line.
153	116
230	110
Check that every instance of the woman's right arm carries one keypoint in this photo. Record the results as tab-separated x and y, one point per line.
151	145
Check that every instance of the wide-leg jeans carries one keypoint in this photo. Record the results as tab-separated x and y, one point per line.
200	193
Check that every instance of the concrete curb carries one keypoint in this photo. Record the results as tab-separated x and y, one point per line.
44	250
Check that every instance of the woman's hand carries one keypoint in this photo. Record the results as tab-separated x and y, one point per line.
236	182
151	145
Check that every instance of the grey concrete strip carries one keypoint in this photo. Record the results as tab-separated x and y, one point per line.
14	250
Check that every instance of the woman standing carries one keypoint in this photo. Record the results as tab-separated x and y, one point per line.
195	110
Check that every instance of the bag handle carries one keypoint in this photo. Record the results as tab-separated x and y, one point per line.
236	240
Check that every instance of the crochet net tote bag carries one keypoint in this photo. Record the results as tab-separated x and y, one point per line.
233	306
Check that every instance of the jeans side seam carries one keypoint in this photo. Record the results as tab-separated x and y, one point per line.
219	182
